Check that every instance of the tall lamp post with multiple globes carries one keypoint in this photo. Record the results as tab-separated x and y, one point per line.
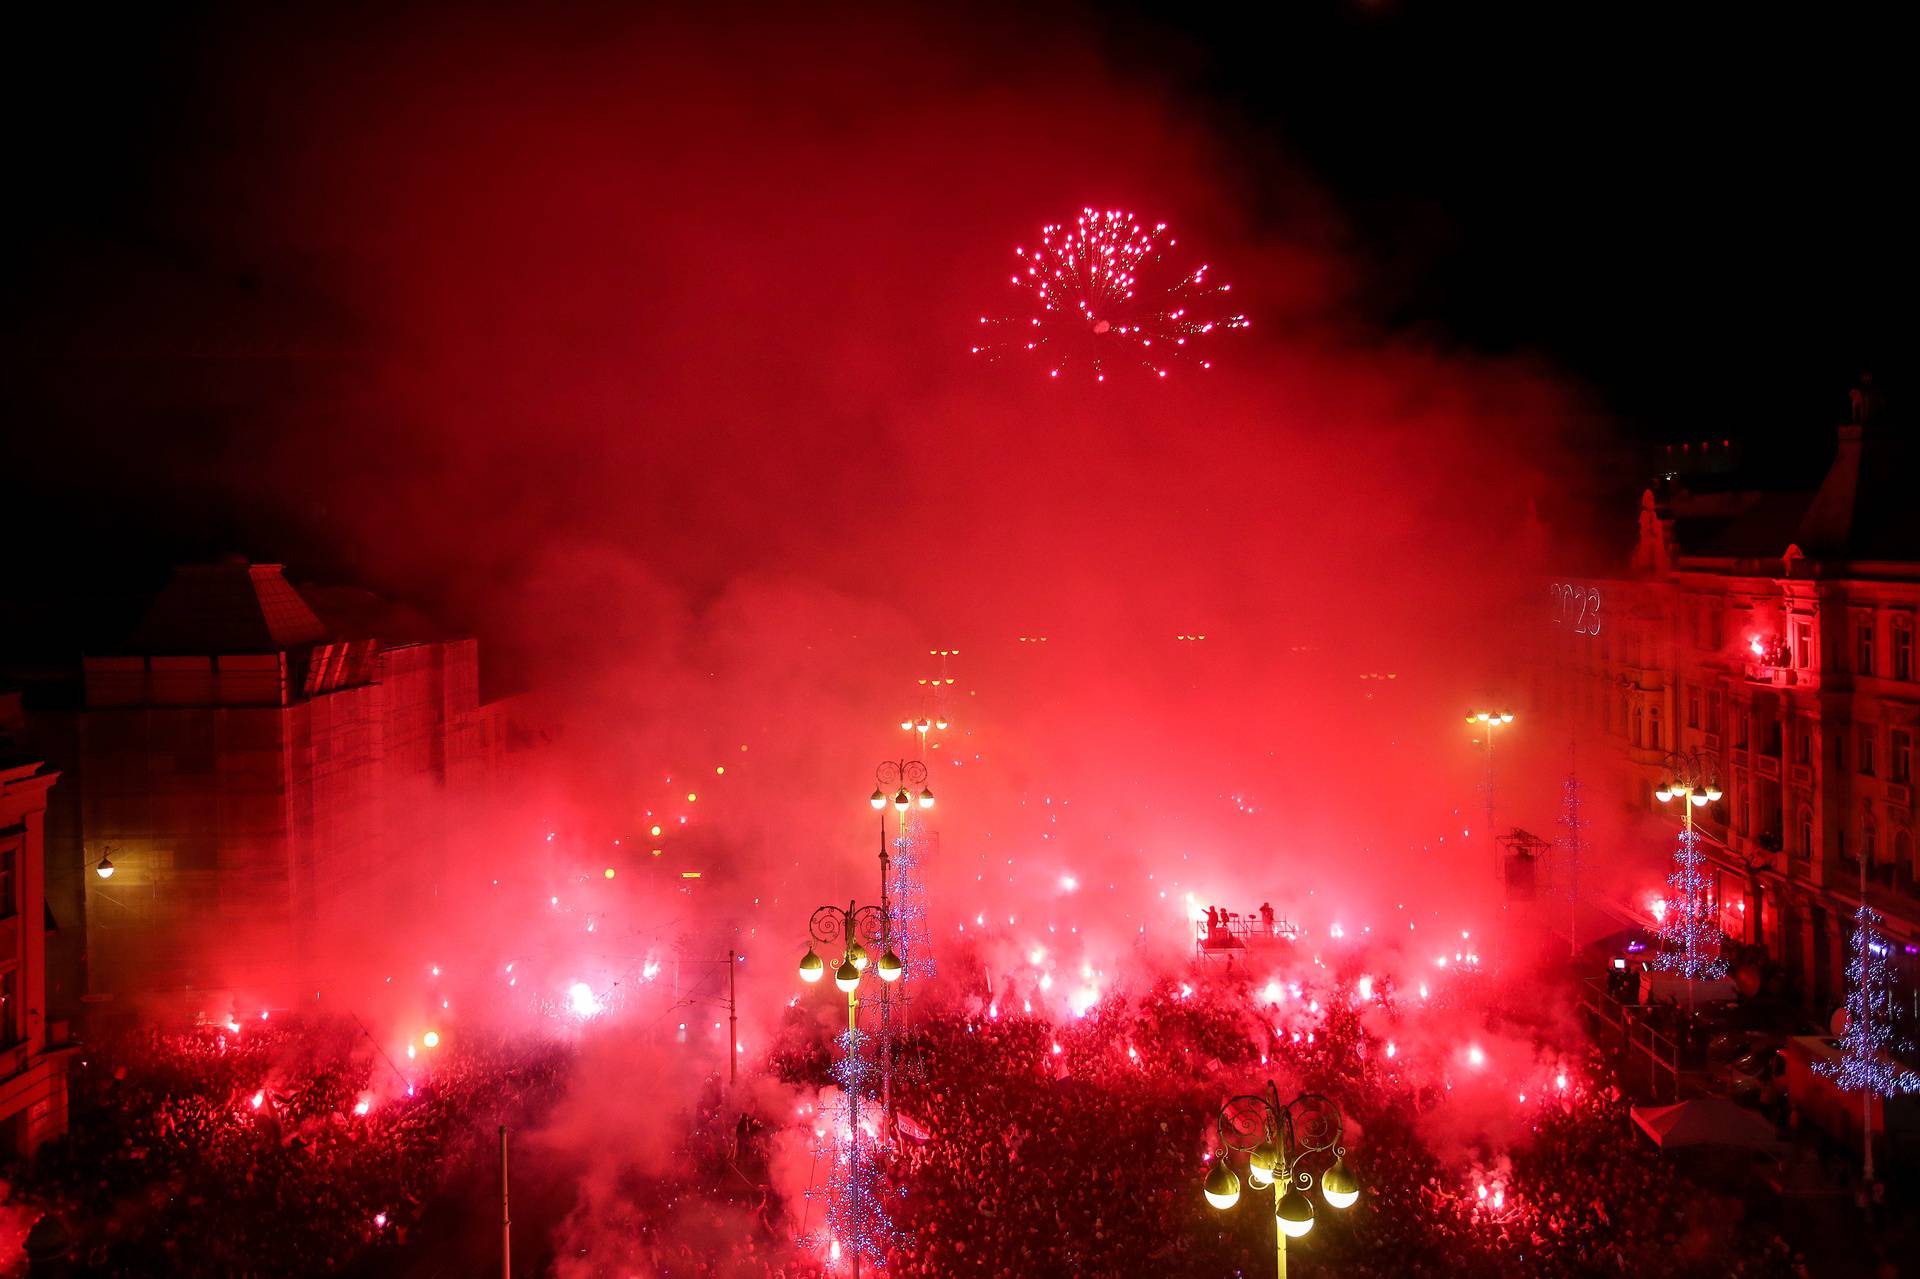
1286	1148
1491	722
855	927
903	777
1691	778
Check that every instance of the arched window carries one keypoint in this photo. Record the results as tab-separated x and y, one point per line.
1806	832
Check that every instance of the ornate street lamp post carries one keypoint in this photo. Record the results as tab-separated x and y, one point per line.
855	927
1286	1148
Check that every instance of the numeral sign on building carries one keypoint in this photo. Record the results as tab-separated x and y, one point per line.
1576	606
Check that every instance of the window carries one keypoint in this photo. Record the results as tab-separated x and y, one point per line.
1805	847
1869	840
1803	645
7	907
1839	753
1902	649
1693	708
1803	747
1713	712
10	1006
1903	850
1863	655
1654	739
1743	729
1901	769
1639	727
1866	750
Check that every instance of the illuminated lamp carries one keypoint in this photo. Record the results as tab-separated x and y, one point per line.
1340	1187
811	966
1665	793
1223	1187
890	967
847	977
1483	717
926	799
901	800
1713	793
431	1039
1295	1214
857	956
924	725
1261	1163
1506	717
105	869
907	724
941	723
878	799
1699	799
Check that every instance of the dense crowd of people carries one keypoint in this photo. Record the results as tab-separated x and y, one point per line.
1025	1143
285	1146
1035	1146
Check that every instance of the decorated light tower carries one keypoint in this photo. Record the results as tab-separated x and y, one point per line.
1868	1062
1572	845
903	777
1690	939
857	1221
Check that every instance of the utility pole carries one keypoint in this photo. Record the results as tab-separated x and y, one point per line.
733	1017
506	1217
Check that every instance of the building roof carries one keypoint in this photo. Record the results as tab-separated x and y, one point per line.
231	607
1864	509
1855	510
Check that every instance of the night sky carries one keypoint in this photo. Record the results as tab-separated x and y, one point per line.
1680	217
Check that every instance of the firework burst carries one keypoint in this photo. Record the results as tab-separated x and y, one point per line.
1101	296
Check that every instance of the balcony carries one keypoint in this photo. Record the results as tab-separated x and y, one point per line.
1769	674
1899	794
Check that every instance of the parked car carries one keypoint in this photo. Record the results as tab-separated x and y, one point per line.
1757	1077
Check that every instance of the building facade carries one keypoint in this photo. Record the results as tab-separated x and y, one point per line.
1773	632
34	1048
256	793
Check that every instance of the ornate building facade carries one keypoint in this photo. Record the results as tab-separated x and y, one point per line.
1771	630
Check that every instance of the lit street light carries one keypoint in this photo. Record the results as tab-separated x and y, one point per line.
1691	779
1277	1140
1491	720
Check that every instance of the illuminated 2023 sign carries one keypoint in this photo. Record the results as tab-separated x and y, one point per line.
1576	606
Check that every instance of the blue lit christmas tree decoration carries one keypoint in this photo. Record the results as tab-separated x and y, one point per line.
909	908
857	1221
1869	1063
1690	938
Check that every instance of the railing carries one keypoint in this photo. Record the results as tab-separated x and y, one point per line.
1637	1040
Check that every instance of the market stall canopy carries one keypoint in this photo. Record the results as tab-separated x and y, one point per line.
1705	1121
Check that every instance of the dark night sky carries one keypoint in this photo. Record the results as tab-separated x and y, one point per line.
1686	213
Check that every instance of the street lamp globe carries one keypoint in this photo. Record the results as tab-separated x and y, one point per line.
1713	793
924	725
907	724
847	977
1665	793
1699	799
1506	717
941	723
105	869
1295	1213
1223	1187
1261	1163
1340	1186
878	799
1483	717
890	967
926	798
857	956
901	800
811	966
